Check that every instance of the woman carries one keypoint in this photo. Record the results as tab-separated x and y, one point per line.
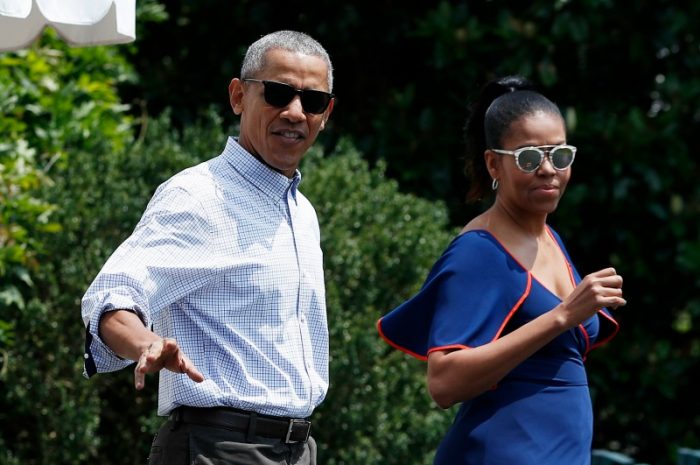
503	319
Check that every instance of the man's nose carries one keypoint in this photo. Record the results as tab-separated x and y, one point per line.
294	111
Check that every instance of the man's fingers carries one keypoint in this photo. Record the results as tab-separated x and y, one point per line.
194	374
168	345
148	362
188	368
164	353
139	375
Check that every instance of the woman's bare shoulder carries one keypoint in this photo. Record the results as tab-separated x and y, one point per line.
480	222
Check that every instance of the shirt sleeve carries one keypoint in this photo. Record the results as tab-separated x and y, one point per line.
466	301
168	255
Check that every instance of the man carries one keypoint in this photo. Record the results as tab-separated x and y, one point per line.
225	266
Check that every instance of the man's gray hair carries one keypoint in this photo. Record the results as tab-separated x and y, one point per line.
292	41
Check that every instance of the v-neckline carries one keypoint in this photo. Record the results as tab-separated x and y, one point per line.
532	275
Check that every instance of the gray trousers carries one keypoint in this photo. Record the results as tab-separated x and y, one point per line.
192	444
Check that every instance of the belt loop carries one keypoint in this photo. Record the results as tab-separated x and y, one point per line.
250	434
176	417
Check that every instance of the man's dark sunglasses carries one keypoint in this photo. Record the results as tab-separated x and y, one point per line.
279	94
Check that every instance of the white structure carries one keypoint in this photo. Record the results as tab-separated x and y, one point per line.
78	22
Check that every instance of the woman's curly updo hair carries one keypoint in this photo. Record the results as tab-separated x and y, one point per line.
501	102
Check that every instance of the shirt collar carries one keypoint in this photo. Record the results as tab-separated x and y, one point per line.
269	181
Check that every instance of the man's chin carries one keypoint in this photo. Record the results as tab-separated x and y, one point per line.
286	165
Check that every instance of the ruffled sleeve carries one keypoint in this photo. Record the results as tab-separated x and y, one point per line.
467	299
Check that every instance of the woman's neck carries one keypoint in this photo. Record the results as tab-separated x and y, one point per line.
512	220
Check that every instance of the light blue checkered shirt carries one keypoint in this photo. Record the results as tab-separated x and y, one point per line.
227	260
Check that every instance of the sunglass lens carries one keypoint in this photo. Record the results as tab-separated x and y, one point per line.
278	94
529	160
562	157
315	101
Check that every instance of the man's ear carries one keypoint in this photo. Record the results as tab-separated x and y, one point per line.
327	114
235	95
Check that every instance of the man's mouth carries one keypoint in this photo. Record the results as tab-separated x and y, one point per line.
296	135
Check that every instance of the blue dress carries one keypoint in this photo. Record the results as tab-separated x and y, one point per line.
540	413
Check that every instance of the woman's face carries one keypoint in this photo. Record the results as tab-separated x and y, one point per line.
537	192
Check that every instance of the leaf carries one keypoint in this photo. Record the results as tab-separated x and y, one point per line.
11	296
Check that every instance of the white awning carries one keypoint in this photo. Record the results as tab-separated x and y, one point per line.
78	22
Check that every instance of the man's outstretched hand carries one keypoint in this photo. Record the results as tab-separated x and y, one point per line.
160	354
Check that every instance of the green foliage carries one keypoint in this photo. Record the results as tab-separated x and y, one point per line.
378	245
47	412
56	103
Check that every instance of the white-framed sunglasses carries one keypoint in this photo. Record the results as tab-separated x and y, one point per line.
528	159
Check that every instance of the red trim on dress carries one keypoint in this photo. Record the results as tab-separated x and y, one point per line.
396	346
588	341
616	329
447	347
525	294
515	308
